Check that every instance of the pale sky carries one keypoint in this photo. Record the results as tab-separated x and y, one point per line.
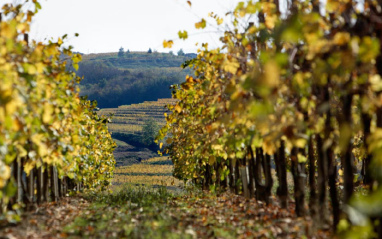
137	25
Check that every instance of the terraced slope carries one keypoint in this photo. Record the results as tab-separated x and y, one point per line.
126	128
129	119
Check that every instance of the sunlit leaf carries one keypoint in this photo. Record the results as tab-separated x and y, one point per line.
201	25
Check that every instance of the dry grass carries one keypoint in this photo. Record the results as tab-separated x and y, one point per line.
156	160
149	172
144	169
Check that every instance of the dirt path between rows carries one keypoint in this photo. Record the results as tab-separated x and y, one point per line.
45	221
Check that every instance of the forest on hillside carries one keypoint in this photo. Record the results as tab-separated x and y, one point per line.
113	80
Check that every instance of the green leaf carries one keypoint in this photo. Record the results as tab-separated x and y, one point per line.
183	35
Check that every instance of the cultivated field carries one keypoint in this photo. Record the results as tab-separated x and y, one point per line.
129	119
154	171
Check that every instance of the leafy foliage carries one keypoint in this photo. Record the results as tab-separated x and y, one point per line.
287	85
43	121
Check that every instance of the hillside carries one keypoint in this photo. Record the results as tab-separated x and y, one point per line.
133	78
127	124
138	60
129	119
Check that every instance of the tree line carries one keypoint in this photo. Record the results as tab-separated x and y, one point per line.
122	53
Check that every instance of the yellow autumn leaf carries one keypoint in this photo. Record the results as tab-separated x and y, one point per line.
5	174
12	106
271	74
28	167
23	27
76	139
341	38
217	147
301	158
270	21
268	7
21	152
300	143
8	29
231	66
40	67
167	44
2	115
376	83
299	78
269	147
48	113
5	171
201	25
178	108
212	160
332	6
42	148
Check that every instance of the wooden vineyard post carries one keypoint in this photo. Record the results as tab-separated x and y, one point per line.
243	172
282	191
268	177
251	171
299	185
19	183
223	183
260	187
31	186
217	172
321	180
54	183
45	184
237	177
329	157
38	173
312	180
59	187
231	176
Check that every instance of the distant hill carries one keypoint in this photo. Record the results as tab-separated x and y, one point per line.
126	129
138	60
136	77
128	120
